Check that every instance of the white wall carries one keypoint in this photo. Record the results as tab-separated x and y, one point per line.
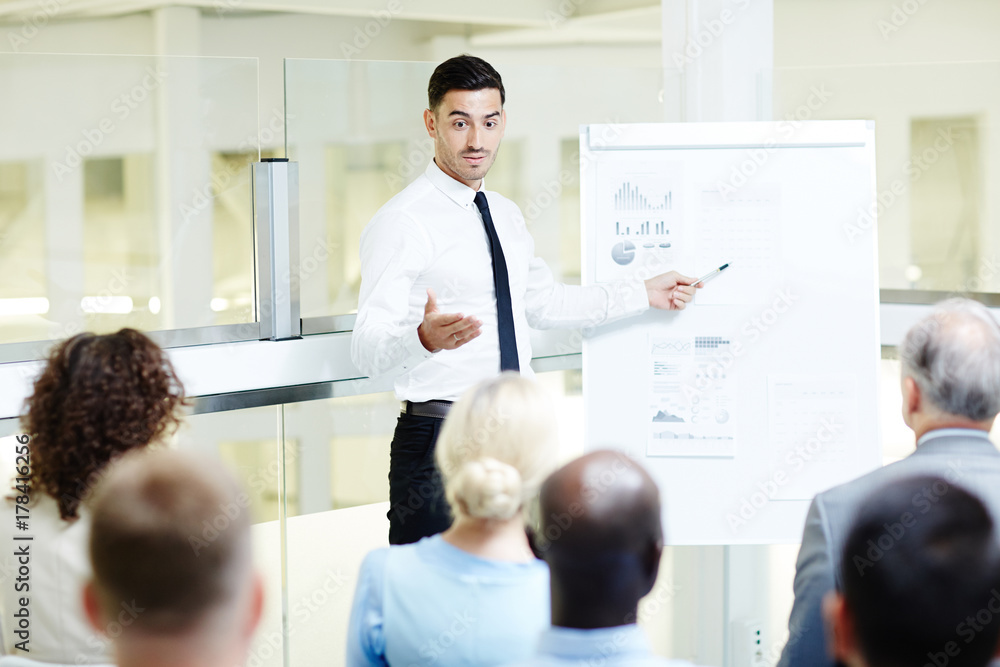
809	33
880	60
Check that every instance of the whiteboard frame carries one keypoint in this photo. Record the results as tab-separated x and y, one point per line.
598	138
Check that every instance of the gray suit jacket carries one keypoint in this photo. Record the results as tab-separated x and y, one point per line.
962	458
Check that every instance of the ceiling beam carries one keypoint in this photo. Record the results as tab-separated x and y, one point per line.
606	7
639	25
29	9
508	13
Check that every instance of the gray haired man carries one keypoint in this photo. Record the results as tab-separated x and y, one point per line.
951	396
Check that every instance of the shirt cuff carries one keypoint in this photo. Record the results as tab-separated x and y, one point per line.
636	297
415	350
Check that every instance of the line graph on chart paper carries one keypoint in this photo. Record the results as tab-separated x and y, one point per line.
671	347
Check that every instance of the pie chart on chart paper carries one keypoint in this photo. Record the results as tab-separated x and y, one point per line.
623	253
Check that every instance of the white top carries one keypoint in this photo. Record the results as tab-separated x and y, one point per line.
59	567
431	235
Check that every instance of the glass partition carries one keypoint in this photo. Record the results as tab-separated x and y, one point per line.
337	449
247	441
124	193
938	219
356	128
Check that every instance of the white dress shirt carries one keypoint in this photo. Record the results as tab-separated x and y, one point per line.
431	235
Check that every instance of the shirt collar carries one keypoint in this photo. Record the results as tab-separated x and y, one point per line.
952	432
460	193
572	643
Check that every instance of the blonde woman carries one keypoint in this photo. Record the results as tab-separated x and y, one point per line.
475	594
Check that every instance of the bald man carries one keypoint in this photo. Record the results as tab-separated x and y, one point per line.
173	583
602	538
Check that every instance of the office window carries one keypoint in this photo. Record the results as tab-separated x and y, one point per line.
946	201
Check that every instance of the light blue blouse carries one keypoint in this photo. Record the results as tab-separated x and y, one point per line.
432	603
620	646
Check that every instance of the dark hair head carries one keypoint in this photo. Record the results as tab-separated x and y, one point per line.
462	72
170	534
601	534
98	396
920	570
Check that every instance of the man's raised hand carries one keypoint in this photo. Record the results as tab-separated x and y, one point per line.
671	290
445	331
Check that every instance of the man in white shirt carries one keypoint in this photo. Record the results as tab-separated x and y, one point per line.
450	285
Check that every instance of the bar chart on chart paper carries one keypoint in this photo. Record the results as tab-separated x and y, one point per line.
640	217
692	395
630	198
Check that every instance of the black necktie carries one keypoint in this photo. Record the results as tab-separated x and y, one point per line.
505	314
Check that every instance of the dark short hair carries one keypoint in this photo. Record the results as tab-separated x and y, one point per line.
462	72
921	575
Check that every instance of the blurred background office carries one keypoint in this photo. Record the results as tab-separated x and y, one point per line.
127	130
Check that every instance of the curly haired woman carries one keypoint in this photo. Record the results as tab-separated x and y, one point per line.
97	398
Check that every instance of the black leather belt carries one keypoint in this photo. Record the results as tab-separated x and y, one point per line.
437	409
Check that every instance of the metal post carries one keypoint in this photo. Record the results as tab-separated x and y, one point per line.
276	239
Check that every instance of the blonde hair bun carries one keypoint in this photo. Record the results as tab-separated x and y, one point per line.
487	489
495	447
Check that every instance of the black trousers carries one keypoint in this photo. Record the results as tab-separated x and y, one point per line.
417	506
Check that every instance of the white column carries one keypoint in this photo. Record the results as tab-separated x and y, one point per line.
718	55
691	582
183	175
723	52
747	602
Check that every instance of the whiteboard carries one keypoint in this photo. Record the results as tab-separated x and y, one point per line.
764	391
